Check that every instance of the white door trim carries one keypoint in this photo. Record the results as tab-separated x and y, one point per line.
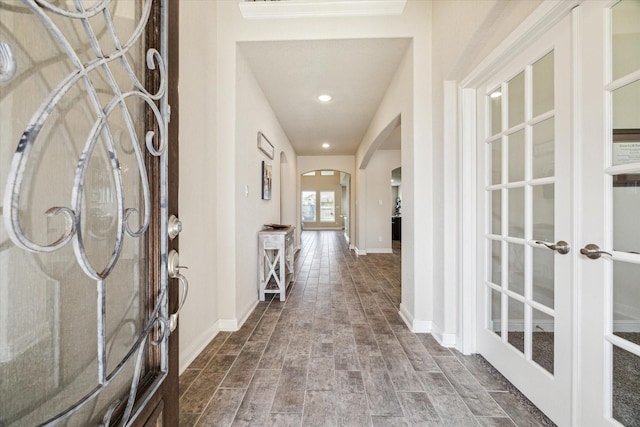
576	126
469	259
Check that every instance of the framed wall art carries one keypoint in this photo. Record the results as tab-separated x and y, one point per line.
267	180
265	145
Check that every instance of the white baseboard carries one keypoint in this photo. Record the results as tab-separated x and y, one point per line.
538	326
444	339
422	326
323	228
229	325
406	316
359	251
626	326
547	326
626	312
379	250
232	325
189	354
248	309
415	326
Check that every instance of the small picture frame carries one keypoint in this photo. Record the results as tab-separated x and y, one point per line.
267	180
265	145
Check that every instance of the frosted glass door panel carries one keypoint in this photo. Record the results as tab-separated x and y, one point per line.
543	163
496	111
515	102
516	156
496	161
543	92
516	212
542	342
625	38
516	336
543	272
496	212
543	199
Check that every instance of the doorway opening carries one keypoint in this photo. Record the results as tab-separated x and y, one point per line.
325	200
396	215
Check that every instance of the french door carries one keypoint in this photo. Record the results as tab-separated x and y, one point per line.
84	317
608	382
524	289
558	297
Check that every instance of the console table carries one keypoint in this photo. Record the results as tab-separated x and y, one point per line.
275	260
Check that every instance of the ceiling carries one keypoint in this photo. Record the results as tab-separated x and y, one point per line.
355	72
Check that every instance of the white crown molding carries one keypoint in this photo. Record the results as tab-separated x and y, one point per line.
315	8
542	19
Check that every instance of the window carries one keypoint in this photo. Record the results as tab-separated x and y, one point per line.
309	206
312	173
327	206
326	173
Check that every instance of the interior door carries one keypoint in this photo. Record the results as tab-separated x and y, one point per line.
524	304
609	384
84	317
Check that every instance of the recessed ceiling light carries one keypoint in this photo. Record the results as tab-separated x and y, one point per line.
496	94
324	98
326	145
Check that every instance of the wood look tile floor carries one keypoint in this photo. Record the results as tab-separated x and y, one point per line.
336	353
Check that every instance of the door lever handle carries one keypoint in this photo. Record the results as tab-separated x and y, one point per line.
561	246
173	267
592	251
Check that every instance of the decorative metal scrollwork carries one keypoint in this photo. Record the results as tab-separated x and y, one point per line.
101	136
8	64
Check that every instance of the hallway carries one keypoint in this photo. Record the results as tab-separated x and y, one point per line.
336	353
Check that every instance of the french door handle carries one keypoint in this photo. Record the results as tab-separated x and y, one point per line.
561	247
593	251
173	267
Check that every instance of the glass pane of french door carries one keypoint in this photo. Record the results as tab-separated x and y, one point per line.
77	322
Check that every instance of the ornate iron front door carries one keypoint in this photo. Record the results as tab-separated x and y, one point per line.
84	326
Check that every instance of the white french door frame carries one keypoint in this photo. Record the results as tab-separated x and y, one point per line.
538	23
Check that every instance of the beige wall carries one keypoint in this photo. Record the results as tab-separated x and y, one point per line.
198	195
